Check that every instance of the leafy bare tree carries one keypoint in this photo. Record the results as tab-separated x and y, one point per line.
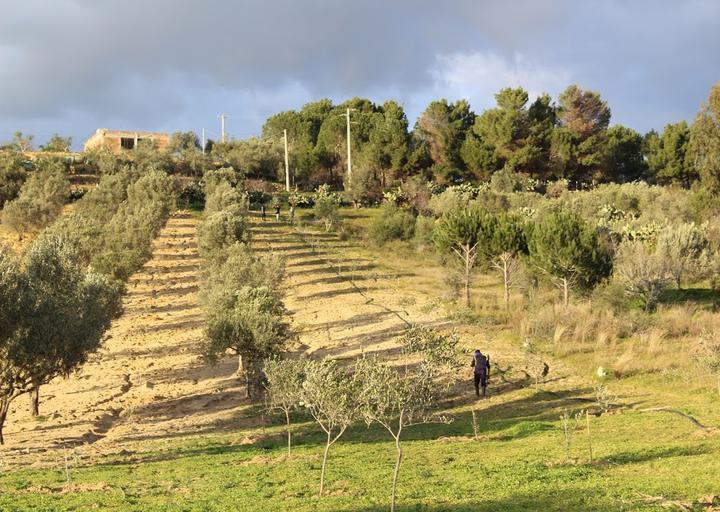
329	393
400	396
284	385
507	241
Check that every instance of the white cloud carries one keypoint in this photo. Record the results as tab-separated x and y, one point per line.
477	76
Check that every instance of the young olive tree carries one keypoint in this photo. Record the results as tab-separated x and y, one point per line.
326	207
461	232
569	251
53	315
400	396
284	385
329	393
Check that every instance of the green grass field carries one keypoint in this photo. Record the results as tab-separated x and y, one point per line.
517	463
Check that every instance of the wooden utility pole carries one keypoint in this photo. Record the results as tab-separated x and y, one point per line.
287	165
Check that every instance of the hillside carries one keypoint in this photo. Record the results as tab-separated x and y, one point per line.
147	425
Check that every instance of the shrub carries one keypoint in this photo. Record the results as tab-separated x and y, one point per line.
685	249
643	271
424	227
393	223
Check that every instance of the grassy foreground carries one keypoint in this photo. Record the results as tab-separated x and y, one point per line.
518	463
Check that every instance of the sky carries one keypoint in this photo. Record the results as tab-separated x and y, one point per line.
71	66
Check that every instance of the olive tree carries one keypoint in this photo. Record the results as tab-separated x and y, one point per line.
250	323
569	251
400	396
220	230
53	313
329	393
284	386
40	201
326	207
12	175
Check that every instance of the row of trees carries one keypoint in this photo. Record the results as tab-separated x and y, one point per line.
569	139
394	395
241	291
23	143
61	296
561	245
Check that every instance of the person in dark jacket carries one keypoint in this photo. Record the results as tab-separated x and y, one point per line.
262	211
481	367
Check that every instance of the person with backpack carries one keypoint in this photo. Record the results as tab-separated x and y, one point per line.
481	367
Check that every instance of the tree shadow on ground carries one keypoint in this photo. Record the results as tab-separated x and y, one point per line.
329	267
329	294
654	454
704	297
547	501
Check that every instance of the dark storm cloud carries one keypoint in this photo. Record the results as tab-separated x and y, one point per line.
73	65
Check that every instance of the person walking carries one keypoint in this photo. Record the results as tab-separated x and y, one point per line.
481	370
277	213
262	211
292	215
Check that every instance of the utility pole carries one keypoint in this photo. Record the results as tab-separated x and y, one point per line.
287	165
203	141
347	115
222	126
